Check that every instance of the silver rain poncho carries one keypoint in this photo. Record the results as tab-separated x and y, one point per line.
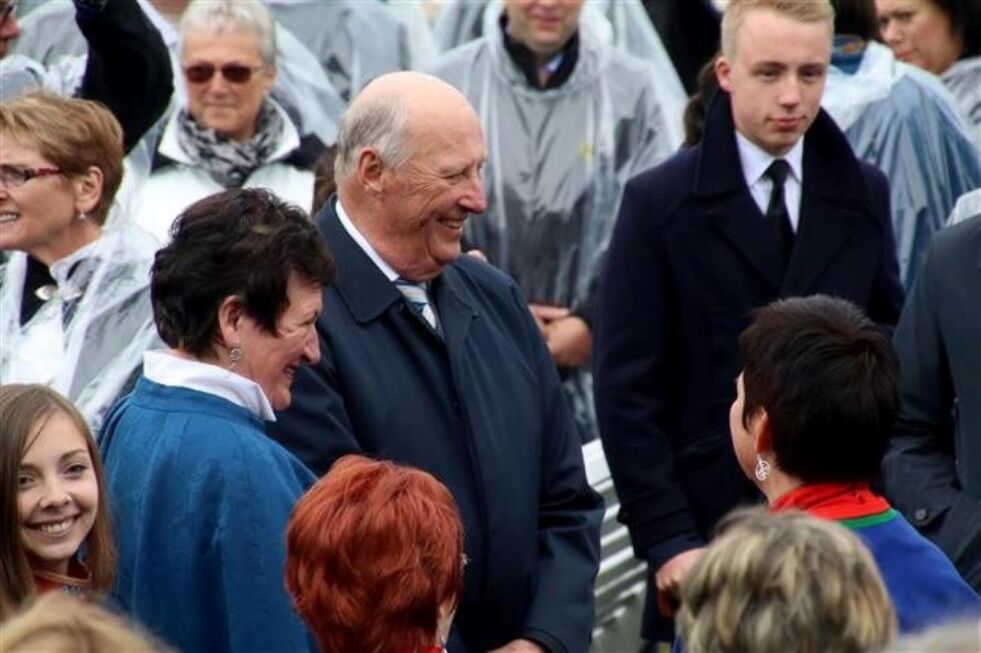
967	207
49	33
558	161
87	340
964	81
622	23
906	123
353	41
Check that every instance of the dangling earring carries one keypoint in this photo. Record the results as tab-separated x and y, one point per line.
82	215
763	468
234	355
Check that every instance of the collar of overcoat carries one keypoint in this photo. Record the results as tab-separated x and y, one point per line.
834	195
368	293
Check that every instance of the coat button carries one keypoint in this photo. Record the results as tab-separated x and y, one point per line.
920	515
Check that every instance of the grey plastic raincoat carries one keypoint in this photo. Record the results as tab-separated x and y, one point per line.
301	86
906	123
558	160
624	24
354	41
964	81
968	206
87	340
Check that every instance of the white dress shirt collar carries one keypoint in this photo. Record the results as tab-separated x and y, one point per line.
363	243
755	161
165	368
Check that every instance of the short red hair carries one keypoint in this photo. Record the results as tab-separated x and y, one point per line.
373	550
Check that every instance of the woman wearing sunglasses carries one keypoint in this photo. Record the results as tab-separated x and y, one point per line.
230	134
74	294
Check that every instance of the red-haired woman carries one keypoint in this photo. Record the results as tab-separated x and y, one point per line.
374	559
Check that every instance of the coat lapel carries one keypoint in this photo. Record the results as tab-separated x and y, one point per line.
740	222
824	229
368	293
454	306
830	195
362	286
719	183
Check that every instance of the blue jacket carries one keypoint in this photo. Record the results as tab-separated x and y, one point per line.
691	258
200	499
483	412
925	588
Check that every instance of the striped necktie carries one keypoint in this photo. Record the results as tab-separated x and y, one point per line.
415	294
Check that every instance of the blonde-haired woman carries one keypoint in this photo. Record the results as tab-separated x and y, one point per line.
784	582
74	294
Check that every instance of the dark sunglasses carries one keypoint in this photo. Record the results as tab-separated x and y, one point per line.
232	72
8	10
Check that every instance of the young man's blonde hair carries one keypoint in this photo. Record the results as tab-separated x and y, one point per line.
784	582
804	11
73	134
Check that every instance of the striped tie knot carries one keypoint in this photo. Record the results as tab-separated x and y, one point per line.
417	297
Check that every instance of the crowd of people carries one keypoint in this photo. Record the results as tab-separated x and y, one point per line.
307	309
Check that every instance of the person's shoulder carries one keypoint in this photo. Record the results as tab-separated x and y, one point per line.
49	15
623	63
477	273
957	244
668	183
872	174
448	63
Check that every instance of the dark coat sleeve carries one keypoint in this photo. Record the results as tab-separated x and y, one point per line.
886	299
570	514
633	380
920	468
128	66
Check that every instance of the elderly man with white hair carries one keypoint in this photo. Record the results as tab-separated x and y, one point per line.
432	359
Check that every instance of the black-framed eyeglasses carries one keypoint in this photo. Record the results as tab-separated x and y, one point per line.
14	176
8	10
235	73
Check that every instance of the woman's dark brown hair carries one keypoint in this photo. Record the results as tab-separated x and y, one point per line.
245	242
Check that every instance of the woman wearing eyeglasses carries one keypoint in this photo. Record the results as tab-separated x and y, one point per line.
230	134
74	295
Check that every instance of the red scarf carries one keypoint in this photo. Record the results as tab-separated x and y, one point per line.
77	581
835	501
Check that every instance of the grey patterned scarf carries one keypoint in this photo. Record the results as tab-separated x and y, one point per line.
230	162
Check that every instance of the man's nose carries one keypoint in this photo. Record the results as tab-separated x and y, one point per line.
790	92
475	200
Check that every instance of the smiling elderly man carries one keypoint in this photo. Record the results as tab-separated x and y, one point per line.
432	359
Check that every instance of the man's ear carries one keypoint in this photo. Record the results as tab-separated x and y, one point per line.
371	170
723	69
230	314
762	435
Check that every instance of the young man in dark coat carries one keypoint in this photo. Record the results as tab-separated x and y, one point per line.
771	204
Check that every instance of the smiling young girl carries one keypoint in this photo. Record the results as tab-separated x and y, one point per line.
54	527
